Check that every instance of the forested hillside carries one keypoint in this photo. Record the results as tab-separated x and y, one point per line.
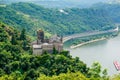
63	22
58	3
16	58
13	41
113	10
17	63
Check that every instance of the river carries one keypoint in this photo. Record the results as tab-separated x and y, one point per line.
105	52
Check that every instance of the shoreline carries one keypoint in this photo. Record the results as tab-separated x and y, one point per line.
84	43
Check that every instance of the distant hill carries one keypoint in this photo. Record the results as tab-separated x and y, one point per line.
114	2
59	3
112	9
61	21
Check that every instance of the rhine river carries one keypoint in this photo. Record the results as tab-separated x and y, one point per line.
105	52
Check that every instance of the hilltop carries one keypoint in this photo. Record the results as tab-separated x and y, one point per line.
58	3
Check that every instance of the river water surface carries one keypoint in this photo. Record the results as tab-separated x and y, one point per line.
105	52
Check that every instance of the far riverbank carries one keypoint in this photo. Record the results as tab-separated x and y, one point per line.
84	43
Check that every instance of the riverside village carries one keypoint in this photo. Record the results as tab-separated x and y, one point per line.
42	45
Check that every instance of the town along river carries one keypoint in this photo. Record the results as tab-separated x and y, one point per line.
105	52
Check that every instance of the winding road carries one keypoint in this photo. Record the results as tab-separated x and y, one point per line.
66	38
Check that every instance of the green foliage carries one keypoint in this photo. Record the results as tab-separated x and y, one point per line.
3	35
67	76
31	75
2	72
110	9
54	50
95	70
33	66
23	35
17	64
105	74
33	17
115	77
13	40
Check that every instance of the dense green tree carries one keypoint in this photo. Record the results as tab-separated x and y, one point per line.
105	74
3	35
17	75
115	77
31	75
23	34
67	76
54	50
17	64
24	45
13	40
2	72
95	70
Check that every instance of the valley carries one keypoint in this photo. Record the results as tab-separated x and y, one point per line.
95	27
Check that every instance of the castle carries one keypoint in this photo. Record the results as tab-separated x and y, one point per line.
41	44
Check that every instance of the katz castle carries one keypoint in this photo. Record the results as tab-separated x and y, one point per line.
42	45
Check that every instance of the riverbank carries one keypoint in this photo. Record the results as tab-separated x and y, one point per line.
84	43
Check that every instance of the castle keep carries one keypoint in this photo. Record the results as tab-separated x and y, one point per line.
41	44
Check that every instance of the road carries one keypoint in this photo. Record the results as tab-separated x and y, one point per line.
66	38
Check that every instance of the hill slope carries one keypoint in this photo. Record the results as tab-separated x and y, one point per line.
113	10
15	59
63	22
58	3
12	41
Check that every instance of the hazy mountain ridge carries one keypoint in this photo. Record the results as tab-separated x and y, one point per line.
59	3
113	10
63	3
114	2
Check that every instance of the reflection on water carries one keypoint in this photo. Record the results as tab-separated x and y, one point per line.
105	52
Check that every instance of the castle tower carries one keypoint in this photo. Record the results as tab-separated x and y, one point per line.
61	39
40	36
